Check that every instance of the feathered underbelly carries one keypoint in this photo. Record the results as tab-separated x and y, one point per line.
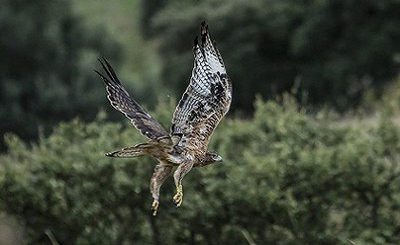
175	159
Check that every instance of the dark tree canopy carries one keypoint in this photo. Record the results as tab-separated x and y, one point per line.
335	49
47	57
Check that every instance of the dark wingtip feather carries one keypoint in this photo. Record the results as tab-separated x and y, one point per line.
105	80
196	41
103	65
98	73
204	32
101	75
102	60
109	70
204	24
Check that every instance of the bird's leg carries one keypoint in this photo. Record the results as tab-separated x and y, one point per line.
180	172
161	173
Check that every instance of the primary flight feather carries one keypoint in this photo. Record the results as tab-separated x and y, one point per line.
202	106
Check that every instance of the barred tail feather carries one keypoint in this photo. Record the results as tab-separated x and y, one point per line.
128	152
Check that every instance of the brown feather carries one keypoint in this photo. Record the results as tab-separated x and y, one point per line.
207	98
123	102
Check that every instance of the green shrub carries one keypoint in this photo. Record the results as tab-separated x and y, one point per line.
287	178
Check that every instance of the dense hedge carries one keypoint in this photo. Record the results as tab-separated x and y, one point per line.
287	178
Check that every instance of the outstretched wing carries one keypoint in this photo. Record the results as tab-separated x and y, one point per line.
207	98
122	101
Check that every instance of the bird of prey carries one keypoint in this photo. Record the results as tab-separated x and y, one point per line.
202	106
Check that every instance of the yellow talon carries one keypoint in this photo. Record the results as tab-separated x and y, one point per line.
178	198
154	207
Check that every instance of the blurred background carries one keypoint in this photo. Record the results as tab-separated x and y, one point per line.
311	142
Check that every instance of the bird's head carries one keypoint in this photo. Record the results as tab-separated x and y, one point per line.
212	157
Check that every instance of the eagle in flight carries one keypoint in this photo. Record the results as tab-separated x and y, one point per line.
202	106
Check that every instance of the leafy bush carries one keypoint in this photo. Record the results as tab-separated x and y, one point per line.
287	179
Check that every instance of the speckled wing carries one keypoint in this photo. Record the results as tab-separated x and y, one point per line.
207	98
123	102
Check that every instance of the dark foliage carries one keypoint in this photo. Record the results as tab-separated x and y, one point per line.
47	57
335	49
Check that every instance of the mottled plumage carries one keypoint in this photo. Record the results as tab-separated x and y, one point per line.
205	102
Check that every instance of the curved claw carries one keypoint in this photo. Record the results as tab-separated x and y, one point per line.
178	198
154	207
